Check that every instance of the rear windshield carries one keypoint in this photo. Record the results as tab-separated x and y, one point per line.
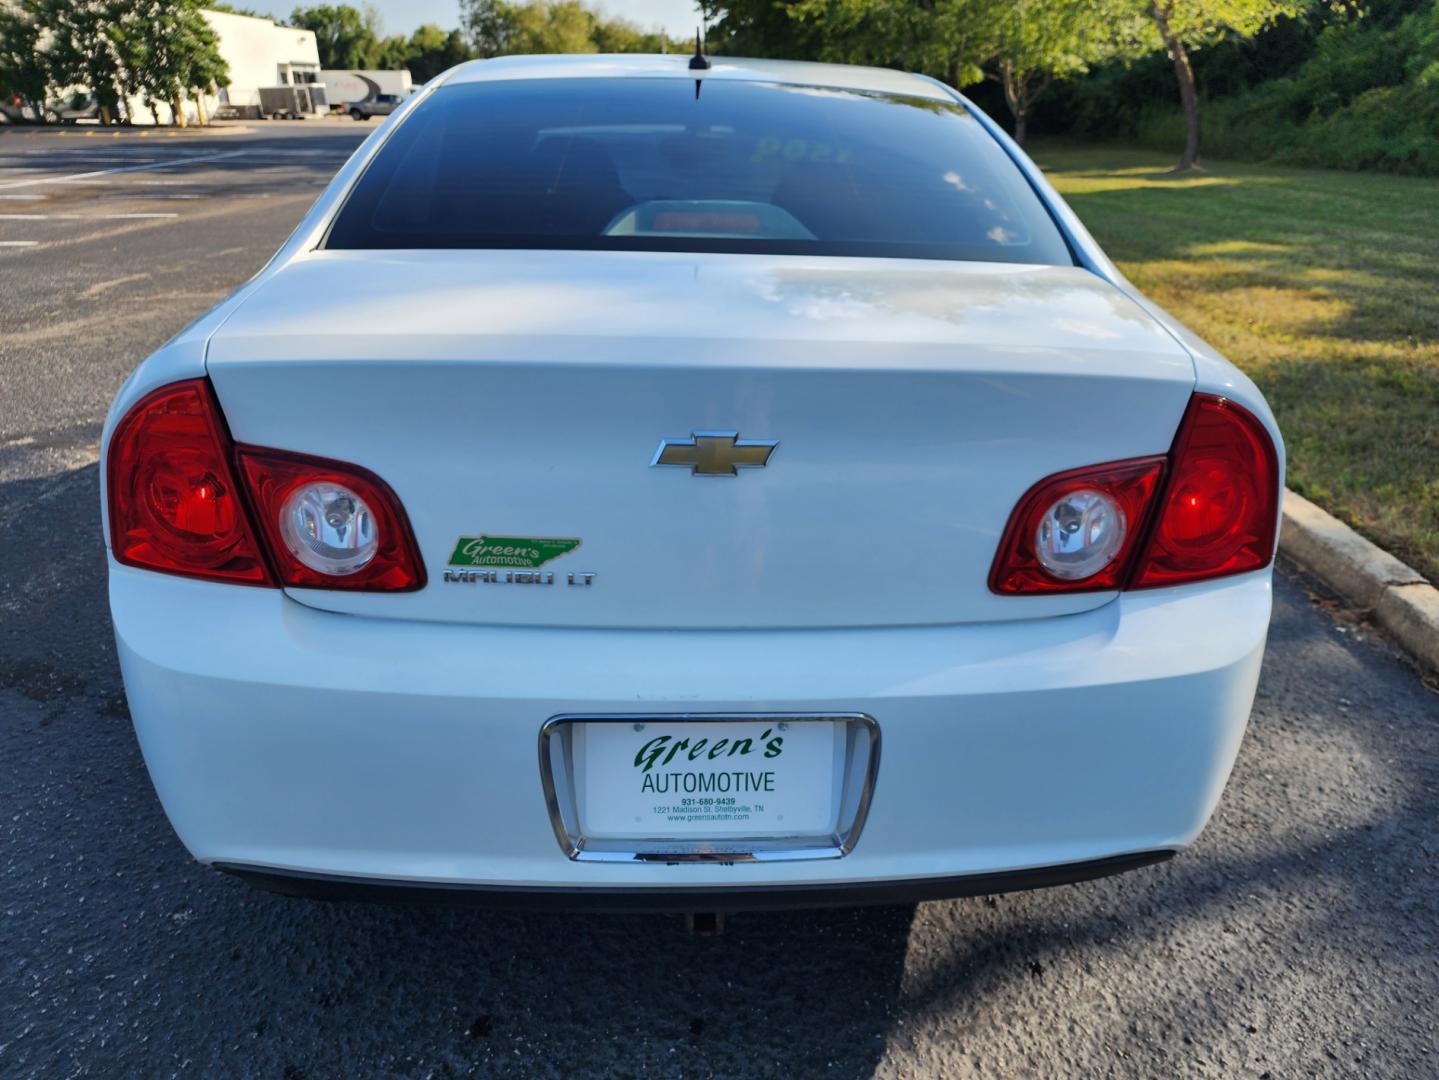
680	165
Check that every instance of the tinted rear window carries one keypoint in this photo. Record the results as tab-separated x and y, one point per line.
672	165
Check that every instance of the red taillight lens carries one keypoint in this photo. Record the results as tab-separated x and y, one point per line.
290	493
174	503
1221	505
1214	513
1129	488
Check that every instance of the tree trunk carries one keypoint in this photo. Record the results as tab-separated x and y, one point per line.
201	119
177	112
1021	91
108	98
1188	96
1014	97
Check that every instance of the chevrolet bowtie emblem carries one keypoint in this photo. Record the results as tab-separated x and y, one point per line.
715	453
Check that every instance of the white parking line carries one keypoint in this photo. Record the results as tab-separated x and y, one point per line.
18	243
127	169
69	160
305	153
80	217
23	198
86	152
301	167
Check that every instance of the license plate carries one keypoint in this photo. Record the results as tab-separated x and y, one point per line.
720	779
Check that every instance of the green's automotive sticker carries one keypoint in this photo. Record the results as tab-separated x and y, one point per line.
521	552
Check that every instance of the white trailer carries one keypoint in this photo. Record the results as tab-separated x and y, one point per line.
343	87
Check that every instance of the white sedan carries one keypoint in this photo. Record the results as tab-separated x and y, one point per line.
688	484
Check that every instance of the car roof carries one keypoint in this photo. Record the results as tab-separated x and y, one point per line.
676	66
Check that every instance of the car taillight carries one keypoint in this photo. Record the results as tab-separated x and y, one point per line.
1077	531
1221	504
329	525
1207	510
174	502
178	504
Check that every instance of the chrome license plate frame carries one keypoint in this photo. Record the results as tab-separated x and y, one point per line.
857	770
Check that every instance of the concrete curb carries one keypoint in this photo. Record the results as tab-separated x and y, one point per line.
1402	601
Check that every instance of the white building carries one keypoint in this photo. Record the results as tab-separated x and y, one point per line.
262	54
259	54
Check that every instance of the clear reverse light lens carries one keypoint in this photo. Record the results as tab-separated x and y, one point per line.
329	528
1079	535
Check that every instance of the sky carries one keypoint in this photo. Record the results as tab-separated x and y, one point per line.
678	17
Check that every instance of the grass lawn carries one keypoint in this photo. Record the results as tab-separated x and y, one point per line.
1323	286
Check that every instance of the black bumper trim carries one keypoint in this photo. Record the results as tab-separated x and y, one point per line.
662	899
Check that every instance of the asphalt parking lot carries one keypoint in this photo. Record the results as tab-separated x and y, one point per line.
1299	938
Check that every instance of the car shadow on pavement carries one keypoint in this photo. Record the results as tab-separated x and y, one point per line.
1299	936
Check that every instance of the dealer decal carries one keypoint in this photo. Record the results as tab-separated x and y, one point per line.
515	552
661	751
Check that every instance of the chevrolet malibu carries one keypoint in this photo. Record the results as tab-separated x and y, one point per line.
688	484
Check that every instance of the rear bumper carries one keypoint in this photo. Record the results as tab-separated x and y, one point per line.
653	899
288	741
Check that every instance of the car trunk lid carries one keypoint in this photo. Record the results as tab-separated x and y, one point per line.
516	401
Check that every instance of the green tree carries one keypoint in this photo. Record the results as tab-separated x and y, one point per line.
950	39
231	9
433	50
551	26
623	36
496	27
1179	26
489	25
167	52
758	28
85	51
345	36
157	50
1039	41
26	67
390	54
